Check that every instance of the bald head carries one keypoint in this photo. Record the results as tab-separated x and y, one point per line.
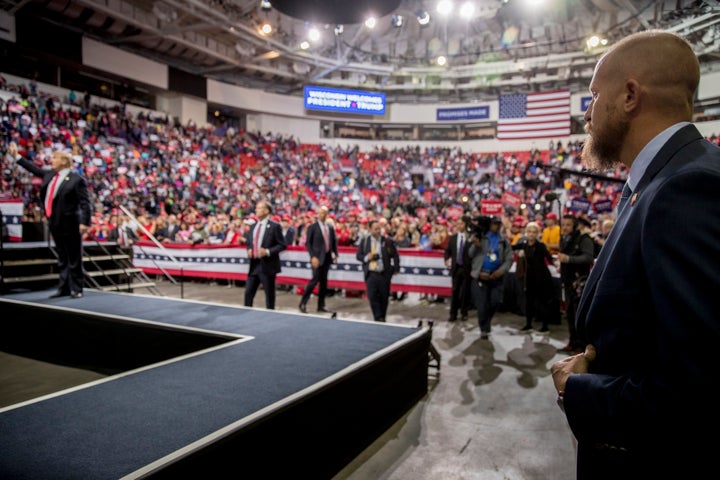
644	84
663	64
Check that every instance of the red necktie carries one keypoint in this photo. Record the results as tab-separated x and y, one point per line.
51	195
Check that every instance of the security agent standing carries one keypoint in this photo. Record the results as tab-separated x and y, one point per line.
492	257
67	205
380	261
321	244
458	261
265	244
640	399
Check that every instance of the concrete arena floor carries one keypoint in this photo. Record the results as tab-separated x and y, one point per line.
490	412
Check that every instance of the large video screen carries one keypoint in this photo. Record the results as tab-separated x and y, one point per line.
346	101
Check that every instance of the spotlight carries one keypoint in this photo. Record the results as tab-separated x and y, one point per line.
396	21
423	18
467	10
444	7
265	5
313	34
339	29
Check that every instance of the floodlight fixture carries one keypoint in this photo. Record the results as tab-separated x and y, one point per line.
423	18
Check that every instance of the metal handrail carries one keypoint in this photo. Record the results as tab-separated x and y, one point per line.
161	247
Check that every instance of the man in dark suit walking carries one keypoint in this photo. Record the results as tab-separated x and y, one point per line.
649	313
68	209
380	261
321	244
264	246
458	261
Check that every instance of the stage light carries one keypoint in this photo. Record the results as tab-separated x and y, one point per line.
444	7
304	45
370	22
423	18
339	29
467	10
595	41
265	5
441	60
314	34
396	21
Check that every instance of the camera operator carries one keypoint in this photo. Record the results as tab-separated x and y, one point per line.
575	259
491	256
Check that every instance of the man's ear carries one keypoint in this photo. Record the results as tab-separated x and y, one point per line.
631	95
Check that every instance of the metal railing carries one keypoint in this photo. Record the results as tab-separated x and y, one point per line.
161	247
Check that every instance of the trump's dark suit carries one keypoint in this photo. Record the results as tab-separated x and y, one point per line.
71	207
263	270
651	308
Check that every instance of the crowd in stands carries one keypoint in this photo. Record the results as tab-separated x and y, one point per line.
192	184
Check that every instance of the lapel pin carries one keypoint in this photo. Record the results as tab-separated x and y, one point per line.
633	199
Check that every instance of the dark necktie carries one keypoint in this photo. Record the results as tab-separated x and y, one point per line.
461	246
626	192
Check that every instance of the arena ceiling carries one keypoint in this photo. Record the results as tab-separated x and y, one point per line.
505	46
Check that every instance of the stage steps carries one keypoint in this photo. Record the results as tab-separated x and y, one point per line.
108	267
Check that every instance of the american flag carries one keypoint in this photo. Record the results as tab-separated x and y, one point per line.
12	211
534	115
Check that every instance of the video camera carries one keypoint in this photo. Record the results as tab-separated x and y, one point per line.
479	226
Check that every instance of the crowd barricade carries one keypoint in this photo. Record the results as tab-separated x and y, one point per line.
421	271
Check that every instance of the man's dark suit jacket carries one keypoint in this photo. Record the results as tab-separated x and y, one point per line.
71	205
290	236
651	308
274	241
388	253
315	243
452	253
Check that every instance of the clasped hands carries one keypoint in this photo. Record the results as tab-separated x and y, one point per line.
485	276
562	369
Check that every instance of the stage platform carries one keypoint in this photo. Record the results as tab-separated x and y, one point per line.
202	389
